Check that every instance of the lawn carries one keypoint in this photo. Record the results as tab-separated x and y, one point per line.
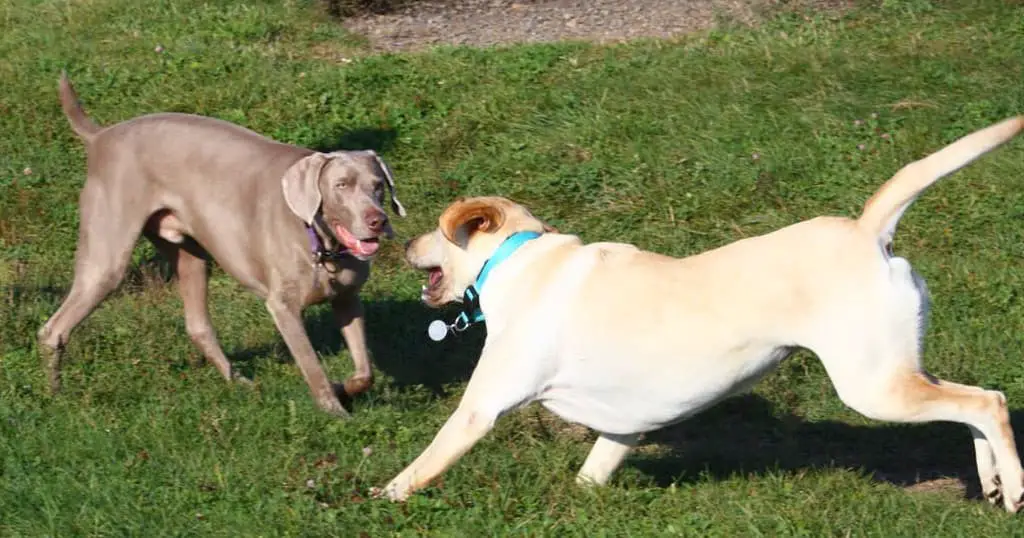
676	147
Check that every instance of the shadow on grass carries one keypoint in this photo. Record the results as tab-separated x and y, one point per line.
396	332
377	139
748	435
19	294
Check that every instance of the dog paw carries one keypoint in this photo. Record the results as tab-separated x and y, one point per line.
1014	506
344	398
993	491
1010	493
994	497
334	407
389	492
51	364
357	385
53	376
1013	502
241	379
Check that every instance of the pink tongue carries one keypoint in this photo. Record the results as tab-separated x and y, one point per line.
360	248
435	277
366	248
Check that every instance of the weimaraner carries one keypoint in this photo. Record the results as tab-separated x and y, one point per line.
295	226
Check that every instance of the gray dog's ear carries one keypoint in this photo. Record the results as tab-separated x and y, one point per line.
395	204
301	185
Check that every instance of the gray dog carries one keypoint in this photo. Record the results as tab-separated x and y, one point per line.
295	226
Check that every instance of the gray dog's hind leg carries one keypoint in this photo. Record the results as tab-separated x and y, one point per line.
190	267
106	236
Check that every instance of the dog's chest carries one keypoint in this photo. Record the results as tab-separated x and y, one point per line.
328	281
647	393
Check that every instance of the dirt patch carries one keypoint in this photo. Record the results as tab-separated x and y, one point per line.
483	23
952	486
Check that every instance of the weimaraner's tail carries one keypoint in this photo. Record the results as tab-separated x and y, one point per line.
80	122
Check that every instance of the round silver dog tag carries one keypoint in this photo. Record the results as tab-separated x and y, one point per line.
437	330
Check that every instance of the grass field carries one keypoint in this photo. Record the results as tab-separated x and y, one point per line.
677	147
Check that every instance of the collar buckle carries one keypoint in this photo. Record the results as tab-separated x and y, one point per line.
320	253
461	323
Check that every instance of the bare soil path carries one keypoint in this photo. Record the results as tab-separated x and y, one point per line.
482	23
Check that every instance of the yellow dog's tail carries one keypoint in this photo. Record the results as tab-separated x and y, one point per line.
883	210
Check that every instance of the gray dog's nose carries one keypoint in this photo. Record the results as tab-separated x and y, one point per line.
375	221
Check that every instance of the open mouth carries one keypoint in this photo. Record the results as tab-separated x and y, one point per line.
434	277
360	247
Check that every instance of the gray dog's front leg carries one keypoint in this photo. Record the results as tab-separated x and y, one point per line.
288	319
348	313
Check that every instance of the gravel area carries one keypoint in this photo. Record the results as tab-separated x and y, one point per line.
485	23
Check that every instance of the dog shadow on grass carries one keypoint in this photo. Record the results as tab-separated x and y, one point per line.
748	434
380	140
396	333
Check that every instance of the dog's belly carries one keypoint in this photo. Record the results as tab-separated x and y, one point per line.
623	397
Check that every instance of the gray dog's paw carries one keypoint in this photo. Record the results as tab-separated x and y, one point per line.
242	380
333	406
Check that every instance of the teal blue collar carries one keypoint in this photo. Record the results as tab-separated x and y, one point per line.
471	312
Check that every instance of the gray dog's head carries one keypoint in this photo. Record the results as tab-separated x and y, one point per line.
348	187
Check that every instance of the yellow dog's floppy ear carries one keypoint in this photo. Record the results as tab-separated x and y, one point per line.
465	217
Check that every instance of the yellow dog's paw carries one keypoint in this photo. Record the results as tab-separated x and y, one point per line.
390	492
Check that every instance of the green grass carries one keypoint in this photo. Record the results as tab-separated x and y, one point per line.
677	147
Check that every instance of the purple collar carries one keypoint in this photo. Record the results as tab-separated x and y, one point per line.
320	253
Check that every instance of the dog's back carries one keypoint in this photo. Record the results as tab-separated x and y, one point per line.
169	148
